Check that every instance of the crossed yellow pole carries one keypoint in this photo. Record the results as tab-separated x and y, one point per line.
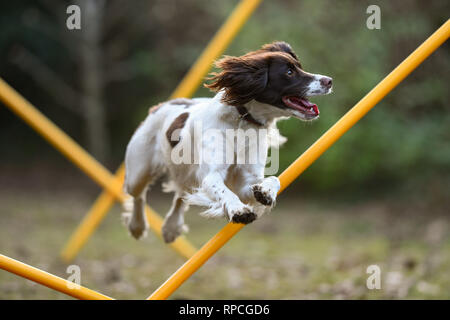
311	155
186	88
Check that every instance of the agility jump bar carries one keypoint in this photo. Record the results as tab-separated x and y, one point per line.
311	155
186	88
53	282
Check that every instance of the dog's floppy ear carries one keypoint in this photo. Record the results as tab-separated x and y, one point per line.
242	78
280	46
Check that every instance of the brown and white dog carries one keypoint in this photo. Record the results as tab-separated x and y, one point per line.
252	92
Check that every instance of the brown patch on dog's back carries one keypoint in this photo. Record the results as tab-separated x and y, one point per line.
178	123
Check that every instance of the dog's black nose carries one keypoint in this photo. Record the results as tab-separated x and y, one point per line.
326	82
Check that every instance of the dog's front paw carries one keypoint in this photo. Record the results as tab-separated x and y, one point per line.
262	196
244	216
266	192
171	232
138	229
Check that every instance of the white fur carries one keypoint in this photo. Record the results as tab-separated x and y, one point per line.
315	88
223	189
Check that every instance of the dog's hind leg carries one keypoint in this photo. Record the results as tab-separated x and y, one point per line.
137	181
134	215
174	222
141	171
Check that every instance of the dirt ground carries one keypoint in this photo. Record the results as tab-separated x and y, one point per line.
305	249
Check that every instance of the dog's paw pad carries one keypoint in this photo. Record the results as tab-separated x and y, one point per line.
137	230
262	196
245	218
170	234
138	233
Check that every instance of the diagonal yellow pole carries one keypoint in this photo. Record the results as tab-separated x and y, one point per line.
186	88
216	47
68	147
311	155
49	280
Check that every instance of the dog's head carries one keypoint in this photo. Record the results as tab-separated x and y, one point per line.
272	75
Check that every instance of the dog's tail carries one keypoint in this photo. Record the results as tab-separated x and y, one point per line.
200	198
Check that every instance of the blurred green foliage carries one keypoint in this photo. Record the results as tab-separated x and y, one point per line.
404	140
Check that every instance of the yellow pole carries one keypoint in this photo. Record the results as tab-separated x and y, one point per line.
310	155
216	47
68	147
49	280
186	88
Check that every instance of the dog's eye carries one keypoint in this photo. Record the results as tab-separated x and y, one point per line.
289	72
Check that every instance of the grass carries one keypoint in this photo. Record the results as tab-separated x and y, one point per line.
302	250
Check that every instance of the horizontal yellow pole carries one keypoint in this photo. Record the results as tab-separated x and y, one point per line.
186	88
310	155
26	271
68	147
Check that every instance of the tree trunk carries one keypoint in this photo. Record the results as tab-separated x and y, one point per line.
92	78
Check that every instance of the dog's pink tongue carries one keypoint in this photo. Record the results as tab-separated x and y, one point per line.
316	109
309	104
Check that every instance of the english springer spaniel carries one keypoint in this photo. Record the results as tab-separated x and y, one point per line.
253	92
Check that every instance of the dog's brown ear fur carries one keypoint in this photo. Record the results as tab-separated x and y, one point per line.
280	46
242	78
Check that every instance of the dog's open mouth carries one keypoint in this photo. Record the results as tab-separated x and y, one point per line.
303	105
